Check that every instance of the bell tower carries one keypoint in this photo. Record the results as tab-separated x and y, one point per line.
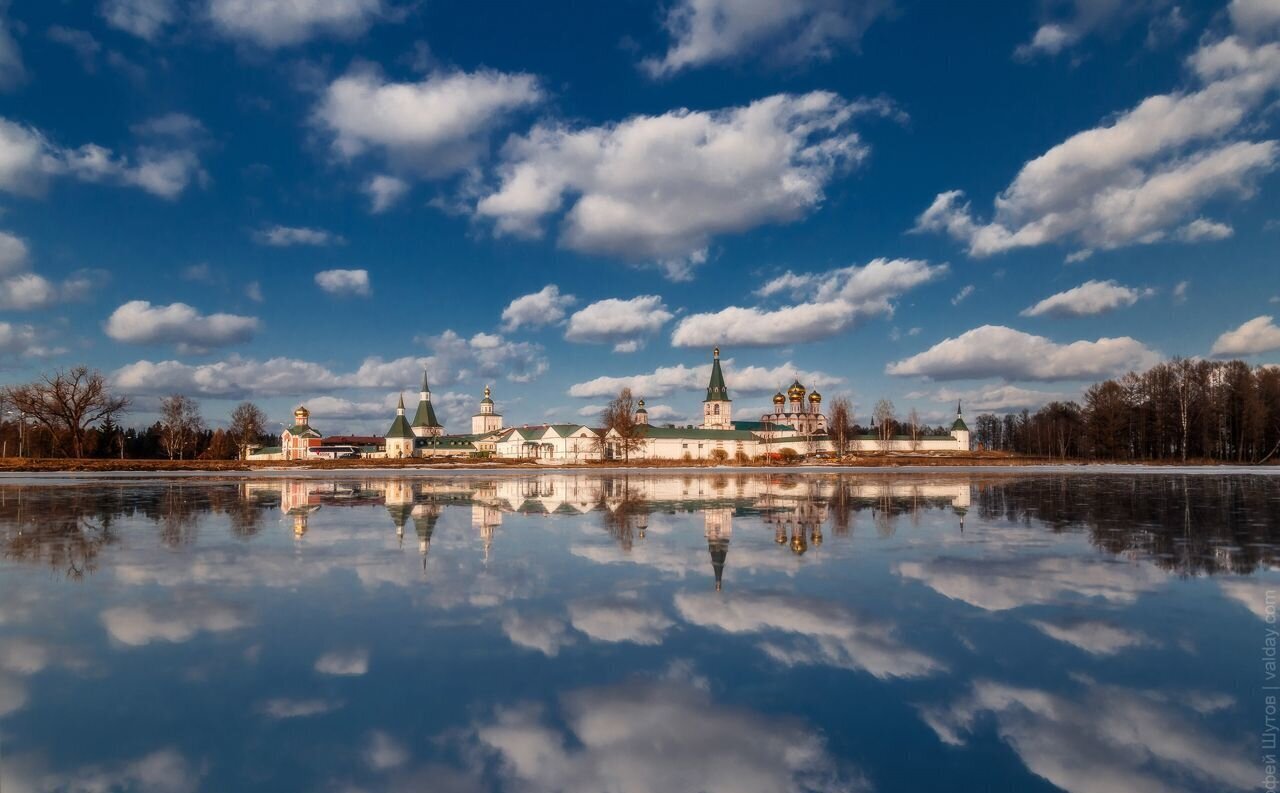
717	408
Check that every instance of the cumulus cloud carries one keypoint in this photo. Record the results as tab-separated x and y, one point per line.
1143	174
1067	23
385	191
622	323
433	127
23	341
998	351
12	72
1201	229
344	282
962	295
1127	740
140	322
1095	637
1259	334
666	379
286	708
1088	299
344	663
651	736
139	625
281	23
544	307
384	752
143	18
286	236
826	632
233	378
1255	17
831	302
26	291
486	355
161	771
619	619
715	31
661	188
540	632
1000	584
29	160
996	399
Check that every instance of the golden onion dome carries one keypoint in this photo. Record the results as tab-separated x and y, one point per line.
815	397
796	391
778	398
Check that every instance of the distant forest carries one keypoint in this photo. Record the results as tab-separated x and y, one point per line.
1182	410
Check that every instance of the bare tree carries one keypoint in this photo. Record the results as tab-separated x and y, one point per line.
181	423
913	422
885	423
840	425
620	416
67	403
248	424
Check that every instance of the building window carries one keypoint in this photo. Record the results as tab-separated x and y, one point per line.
717	410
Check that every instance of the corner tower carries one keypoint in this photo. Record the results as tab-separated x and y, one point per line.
717	408
425	424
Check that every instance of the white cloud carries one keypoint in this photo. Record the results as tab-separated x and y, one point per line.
1067	23
286	708
1140	176
997	399
384	752
1259	334
833	301
433	127
716	31
652	736
343	663
139	625
1088	299
619	619
81	42
140	322
28	160
998	351
143	18
1102	739
23	341
617	321
1093	636
161	771
828	633
285	236
1180	292
543	633
666	379
344	282
1201	229
661	188
12	72
253	291
385	191
1003	583
1255	17
544	307
962	295
486	355
282	23
234	378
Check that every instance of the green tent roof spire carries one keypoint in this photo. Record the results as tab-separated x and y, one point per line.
400	427
716	390
425	416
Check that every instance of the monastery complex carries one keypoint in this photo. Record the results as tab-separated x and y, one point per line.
797	423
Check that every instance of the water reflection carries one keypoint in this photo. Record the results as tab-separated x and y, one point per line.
634	632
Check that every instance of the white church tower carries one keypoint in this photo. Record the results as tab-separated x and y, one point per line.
487	420
717	408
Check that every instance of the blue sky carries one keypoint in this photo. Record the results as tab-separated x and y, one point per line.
308	201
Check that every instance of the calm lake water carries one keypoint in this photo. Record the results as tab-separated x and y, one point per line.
636	633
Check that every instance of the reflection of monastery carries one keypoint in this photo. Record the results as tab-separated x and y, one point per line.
796	424
796	509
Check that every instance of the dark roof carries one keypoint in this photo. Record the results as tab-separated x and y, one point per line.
959	424
716	390
426	414
762	426
352	440
298	430
400	428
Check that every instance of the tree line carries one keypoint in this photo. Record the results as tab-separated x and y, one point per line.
1182	410
74	413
